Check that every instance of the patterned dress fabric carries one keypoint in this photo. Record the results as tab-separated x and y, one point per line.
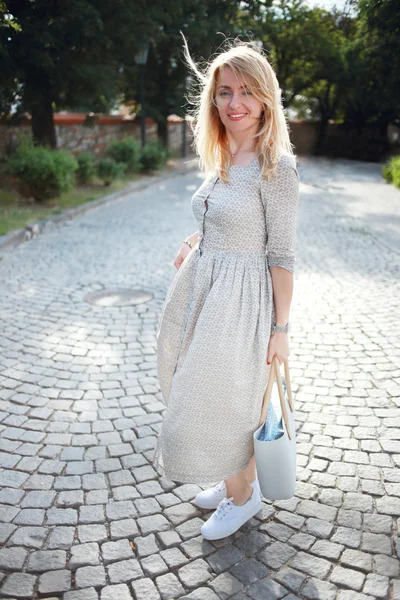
215	323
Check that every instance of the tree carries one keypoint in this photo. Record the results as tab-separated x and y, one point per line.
57	54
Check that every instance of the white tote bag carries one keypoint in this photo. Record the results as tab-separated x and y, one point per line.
276	458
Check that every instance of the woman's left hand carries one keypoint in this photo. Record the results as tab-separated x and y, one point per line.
278	346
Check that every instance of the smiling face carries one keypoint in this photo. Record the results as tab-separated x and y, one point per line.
238	109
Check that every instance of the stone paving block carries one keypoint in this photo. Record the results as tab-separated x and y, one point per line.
116	592
116	511
146	545
61	537
30	516
18	585
124	571
72	499
47	560
197	547
83	555
38	499
173	557
90	577
153	524
126	528
357	559
385	565
94	481
207	594
378	523
11	496
8	513
226	585
166	500
317	567
169	586
290	578
147	506
326	549
107	465
145	589
55	582
181	512
6	529
376	543
266	588
12	479
149	488
349	578
190	528
12	558
97	497
168	538
92	514
315	588
347	536
120	478
29	537
154	565
144	473
248	571
224	559
62	516
276	555
125	492
92	533
79	467
114	551
376	585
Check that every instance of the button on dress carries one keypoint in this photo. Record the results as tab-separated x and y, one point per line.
215	323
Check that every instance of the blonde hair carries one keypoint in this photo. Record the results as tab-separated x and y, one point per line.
210	143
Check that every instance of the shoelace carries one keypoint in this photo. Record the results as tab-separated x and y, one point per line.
219	487
224	507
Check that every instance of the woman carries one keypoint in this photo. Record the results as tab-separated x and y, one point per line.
226	313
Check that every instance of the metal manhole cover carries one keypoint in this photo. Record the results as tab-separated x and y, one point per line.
118	297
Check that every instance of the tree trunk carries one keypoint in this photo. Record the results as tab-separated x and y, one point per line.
43	130
38	101
162	132
322	128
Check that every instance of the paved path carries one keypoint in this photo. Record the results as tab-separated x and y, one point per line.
83	515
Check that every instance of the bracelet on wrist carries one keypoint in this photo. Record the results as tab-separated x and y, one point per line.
277	329
188	243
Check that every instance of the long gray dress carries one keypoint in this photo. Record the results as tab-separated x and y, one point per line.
214	327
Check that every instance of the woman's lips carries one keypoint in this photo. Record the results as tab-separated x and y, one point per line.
233	118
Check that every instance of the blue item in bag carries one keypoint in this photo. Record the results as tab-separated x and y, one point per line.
272	428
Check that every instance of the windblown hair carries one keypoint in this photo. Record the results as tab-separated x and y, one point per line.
252	69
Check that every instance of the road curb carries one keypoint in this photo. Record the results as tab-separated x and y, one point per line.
31	231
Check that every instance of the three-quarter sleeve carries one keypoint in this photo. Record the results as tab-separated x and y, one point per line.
280	198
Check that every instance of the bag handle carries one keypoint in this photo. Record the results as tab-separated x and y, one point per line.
273	374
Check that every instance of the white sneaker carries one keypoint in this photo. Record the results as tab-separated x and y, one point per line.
211	497
229	517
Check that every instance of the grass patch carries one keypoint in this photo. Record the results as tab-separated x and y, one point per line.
16	212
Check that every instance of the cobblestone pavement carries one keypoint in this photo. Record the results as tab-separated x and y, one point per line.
83	514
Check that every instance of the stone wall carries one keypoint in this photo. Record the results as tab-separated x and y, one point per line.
77	133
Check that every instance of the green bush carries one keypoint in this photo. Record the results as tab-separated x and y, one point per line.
86	167
39	171
391	171
108	169
125	151
154	155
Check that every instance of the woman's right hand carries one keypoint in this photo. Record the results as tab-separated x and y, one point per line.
184	250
